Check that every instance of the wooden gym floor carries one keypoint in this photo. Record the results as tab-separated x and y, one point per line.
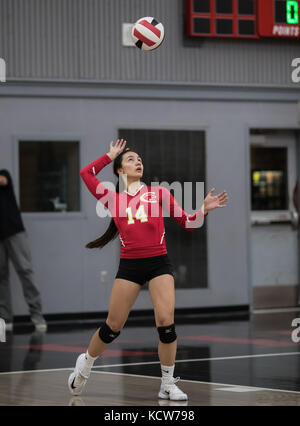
237	362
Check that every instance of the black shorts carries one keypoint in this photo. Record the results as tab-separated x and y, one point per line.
144	269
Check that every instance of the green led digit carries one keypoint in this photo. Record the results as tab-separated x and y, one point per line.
292	12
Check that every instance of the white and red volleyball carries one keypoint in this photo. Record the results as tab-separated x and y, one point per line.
148	33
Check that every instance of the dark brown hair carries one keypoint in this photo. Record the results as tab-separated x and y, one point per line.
112	231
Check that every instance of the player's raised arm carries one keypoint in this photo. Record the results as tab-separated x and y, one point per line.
88	173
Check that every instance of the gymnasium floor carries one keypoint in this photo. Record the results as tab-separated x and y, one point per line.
226	362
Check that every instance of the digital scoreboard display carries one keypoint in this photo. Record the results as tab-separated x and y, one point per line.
279	18
243	18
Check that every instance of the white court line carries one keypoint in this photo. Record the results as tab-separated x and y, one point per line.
157	362
239	389
37	371
182	380
275	310
251	388
200	359
159	378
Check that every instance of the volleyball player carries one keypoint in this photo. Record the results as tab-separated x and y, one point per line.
137	217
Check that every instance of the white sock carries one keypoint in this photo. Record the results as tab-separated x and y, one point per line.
167	372
90	359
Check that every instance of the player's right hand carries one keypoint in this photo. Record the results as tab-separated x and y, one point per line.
116	149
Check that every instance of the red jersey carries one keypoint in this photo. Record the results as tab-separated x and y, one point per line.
139	216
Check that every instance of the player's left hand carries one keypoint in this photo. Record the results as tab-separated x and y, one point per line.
212	202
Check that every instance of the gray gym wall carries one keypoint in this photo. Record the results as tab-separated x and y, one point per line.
68	77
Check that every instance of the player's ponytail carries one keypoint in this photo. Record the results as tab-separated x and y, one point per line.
112	231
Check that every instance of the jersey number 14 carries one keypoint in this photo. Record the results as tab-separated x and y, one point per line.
140	215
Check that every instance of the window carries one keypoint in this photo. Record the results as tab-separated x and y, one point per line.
269	178
49	176
176	156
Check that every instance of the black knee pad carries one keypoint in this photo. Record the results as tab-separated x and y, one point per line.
167	333
106	334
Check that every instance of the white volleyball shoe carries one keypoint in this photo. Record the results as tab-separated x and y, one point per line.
168	390
78	378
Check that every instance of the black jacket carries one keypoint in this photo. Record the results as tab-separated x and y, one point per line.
10	216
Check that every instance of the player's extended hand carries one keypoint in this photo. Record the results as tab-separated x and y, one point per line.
116	149
212	202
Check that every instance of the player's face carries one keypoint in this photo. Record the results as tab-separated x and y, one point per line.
132	165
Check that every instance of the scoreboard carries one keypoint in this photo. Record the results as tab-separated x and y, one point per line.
243	18
279	18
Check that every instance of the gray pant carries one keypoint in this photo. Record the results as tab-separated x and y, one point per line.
16	248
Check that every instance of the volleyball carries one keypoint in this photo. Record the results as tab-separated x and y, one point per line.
148	33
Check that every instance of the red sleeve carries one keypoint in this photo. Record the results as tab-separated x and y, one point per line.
88	175
185	220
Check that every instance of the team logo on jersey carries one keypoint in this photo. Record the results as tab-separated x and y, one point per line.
149	197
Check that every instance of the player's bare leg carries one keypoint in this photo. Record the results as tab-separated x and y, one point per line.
123	296
162	293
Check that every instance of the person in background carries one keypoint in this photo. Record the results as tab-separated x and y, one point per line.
295	197
14	245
